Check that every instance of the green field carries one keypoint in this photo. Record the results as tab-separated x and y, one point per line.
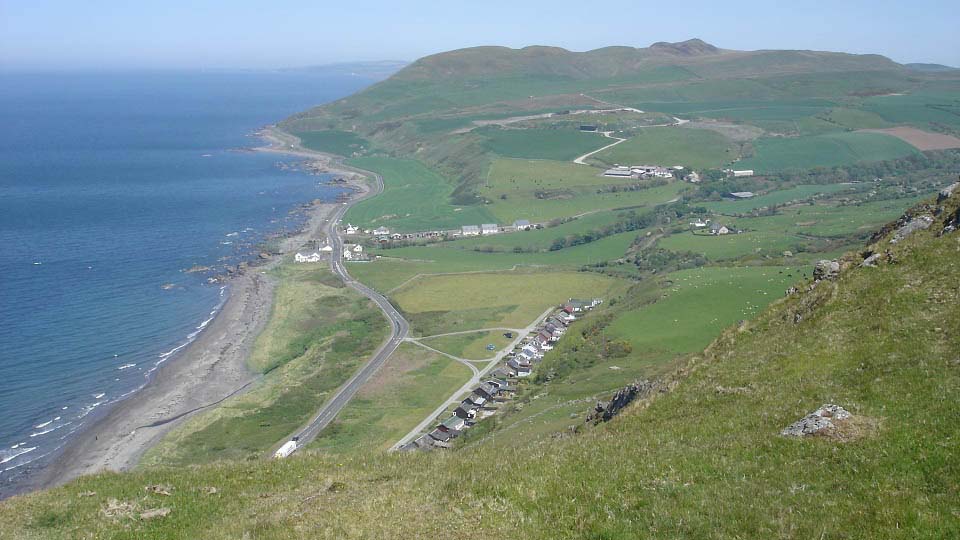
414	199
342	143
398	265
773	198
402	393
506	299
929	106
669	146
830	150
829	221
553	144
472	346
319	333
543	190
702	302
733	246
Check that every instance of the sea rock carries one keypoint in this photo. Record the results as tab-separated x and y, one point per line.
820	421
264	255
915	224
197	268
826	269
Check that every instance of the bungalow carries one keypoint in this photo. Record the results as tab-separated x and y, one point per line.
307	258
326	249
693	178
347	254
557	321
584	305
424	442
501	384
503	373
567	308
352	229
745	172
474	401
442	436
470	230
381	231
357	249
546	337
452	424
486	390
699	224
519	369
489	228
522	224
467	413
718	229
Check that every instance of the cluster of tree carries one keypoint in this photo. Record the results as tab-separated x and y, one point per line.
617	188
662	260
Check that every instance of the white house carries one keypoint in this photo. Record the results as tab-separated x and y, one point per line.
326	249
699	224
307	258
470	230
745	172
357	248
351	229
489	228
522	225
718	229
381	231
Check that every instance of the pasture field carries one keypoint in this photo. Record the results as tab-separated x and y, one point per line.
921	109
404	391
472	346
699	303
414	199
851	118
829	150
398	265
522	176
733	246
829	221
569	203
318	334
343	143
782	196
518	298
552	144
669	146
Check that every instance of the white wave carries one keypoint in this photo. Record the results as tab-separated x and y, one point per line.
98	396
54	428
126	366
231	235
43	425
7	457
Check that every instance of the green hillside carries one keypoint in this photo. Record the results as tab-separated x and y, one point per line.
703	458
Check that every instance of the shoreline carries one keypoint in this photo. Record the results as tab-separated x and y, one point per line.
211	368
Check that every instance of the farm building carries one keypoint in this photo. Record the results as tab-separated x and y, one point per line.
742	194
588	127
743	173
489	228
718	229
470	230
381	231
522	224
307	258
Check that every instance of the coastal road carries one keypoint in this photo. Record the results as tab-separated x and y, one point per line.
399	328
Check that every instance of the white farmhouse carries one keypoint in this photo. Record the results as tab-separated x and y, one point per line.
489	228
307	258
470	230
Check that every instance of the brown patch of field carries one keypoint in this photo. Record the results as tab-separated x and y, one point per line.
920	139
402	361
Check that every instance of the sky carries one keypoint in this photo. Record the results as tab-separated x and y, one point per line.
227	34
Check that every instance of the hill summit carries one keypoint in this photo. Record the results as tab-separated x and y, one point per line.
690	47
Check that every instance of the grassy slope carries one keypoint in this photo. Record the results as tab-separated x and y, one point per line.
557	144
703	461
778	154
669	146
414	199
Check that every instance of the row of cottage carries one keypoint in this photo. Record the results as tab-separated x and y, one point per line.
484	400
351	252
384	234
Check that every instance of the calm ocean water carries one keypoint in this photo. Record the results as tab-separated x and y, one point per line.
110	186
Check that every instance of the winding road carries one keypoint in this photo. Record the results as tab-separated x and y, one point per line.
399	328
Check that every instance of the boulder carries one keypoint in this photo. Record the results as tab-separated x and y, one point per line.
819	422
947	192
826	269
917	223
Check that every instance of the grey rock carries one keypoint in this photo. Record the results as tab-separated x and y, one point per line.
826	269
871	261
918	223
947	192
817	422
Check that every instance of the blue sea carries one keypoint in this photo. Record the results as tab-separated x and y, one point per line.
111	185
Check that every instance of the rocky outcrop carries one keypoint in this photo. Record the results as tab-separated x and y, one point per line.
826	269
947	192
914	224
604	412
822	421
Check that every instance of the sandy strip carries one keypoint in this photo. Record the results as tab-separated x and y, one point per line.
211	369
